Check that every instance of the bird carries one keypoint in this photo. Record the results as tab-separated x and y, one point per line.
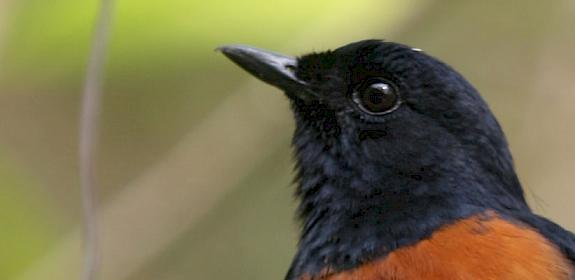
402	171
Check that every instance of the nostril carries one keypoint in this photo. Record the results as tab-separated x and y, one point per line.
290	67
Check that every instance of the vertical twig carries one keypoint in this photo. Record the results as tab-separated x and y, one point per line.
89	123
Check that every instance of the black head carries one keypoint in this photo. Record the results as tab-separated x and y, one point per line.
384	132
386	104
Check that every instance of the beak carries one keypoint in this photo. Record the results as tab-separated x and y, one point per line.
273	68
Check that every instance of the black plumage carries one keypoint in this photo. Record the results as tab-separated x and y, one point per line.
371	182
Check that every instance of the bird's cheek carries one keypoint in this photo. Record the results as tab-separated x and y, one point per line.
331	127
376	151
373	134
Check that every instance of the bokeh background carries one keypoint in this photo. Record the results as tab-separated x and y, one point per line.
194	164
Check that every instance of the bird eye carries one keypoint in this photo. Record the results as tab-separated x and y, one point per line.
376	97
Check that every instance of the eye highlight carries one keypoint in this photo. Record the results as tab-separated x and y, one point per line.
376	97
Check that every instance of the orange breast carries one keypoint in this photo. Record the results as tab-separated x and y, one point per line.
480	247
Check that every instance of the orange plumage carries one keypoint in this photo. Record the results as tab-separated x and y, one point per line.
480	247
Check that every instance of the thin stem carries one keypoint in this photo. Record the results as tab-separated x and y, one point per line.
89	123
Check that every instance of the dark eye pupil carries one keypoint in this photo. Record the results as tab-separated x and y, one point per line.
378	97
375	94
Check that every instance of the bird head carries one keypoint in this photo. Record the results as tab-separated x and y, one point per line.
386	115
390	144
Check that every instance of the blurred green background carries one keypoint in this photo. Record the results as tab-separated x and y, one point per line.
194	164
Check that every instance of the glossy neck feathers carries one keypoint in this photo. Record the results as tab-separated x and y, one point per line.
355	208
